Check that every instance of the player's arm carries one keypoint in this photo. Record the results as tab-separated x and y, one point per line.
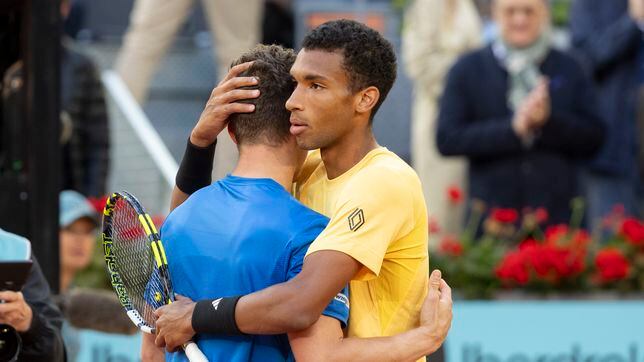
150	352
196	166
324	341
291	306
298	303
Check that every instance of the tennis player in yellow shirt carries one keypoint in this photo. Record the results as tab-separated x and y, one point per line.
377	236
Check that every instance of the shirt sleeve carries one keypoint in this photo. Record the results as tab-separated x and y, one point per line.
338	308
374	209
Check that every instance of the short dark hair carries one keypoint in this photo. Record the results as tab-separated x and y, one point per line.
369	58
269	123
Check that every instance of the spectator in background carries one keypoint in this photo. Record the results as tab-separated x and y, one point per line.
31	312
84	128
153	24
608	37
436	32
78	222
522	113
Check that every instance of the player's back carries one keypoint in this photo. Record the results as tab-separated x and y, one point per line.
234	237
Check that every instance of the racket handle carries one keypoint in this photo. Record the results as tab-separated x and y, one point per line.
193	352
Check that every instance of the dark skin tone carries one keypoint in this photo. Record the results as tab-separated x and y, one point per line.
328	115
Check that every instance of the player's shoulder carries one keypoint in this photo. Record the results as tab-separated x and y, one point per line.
304	217
386	168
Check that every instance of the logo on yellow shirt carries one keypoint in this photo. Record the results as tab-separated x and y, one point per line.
356	219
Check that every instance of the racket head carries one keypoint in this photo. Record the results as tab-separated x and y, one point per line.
135	259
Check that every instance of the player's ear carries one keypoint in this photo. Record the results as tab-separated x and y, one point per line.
366	99
231	134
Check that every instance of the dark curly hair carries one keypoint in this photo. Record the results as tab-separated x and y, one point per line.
269	123
369	58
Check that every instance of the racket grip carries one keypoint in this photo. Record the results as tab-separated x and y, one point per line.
193	352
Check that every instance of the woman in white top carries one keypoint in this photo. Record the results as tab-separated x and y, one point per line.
435	34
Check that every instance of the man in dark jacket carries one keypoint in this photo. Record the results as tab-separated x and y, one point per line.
607	36
31	312
522	113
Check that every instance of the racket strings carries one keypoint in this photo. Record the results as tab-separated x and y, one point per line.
135	261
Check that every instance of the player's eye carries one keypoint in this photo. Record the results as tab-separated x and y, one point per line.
316	86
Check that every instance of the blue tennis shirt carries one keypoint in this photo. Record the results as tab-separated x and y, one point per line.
234	237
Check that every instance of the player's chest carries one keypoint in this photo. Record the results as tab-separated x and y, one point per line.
319	195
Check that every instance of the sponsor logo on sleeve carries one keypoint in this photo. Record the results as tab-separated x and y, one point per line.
356	219
340	297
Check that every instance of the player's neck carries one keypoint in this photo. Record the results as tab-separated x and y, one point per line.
348	151
261	161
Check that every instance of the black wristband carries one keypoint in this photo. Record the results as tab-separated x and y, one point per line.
195	170
216	316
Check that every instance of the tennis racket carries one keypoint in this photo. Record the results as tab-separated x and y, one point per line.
137	264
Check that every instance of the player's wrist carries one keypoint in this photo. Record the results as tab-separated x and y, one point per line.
216	316
428	339
195	170
197	139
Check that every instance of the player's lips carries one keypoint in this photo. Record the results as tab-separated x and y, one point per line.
297	126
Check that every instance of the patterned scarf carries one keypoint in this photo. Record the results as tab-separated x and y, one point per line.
522	65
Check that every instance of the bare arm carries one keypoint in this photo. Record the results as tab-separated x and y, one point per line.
177	198
150	352
324	340
286	307
298	303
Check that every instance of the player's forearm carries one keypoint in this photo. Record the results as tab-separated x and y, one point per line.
177	198
149	351
281	308
407	346
324	342
194	171
298	303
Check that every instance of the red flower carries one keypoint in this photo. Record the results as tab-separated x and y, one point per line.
633	231
513	268
612	265
450	246
505	216
556	232
542	261
98	203
434	228
541	214
455	194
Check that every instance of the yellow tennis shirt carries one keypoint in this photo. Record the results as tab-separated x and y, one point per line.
378	217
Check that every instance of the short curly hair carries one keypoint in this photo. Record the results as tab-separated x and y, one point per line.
369	59
269	123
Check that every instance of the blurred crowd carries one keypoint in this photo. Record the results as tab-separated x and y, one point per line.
519	123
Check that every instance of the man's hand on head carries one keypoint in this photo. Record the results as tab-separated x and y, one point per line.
14	311
436	313
174	324
222	104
